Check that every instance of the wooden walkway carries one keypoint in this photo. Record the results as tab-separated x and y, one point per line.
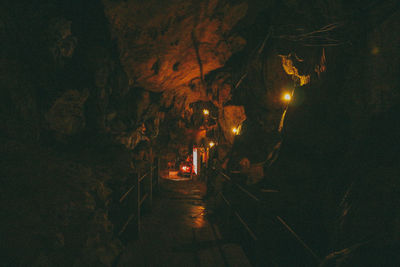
177	233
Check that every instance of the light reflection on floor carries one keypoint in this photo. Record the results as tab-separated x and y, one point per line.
173	176
198	213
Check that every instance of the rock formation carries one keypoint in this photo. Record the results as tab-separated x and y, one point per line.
90	90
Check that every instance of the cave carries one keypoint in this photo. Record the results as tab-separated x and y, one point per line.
200	133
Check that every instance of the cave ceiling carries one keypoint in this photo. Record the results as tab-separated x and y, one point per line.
169	46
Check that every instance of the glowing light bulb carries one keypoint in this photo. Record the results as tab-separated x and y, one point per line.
235	130
206	112
287	97
211	144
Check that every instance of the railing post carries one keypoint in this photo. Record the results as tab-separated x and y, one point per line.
151	186
258	251
138	198
231	208
158	173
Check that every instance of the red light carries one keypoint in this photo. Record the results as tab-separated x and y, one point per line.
185	168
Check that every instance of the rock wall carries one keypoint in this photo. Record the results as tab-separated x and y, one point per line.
171	46
337	164
337	156
61	87
88	86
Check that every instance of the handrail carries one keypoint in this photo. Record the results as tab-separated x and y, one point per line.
139	199
143	198
296	236
133	186
143	176
240	219
126	194
240	187
126	223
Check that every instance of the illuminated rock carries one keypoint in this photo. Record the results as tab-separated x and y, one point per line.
231	117
171	46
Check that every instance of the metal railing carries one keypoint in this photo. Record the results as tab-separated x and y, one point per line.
139	195
259	207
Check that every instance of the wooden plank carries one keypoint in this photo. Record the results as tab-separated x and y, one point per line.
235	256
151	186
138	204
207	247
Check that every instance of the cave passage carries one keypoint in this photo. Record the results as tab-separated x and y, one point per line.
200	133
178	232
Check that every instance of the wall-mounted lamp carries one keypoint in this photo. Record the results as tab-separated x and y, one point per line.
206	112
287	97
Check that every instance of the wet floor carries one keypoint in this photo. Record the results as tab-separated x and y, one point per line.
178	233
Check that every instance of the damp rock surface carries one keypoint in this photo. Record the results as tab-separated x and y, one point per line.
168	46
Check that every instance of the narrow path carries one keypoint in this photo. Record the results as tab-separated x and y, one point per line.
177	232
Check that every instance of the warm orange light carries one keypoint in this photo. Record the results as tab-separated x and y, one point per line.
235	130
197	215
211	144
206	112
287	97
185	168
375	50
